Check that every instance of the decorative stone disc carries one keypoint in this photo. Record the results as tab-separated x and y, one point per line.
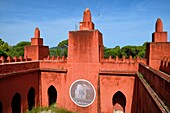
82	93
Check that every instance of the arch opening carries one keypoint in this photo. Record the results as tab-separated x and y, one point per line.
16	103
52	95
31	98
0	107
119	102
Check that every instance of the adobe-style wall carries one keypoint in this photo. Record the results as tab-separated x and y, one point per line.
160	82
18	83
59	81
155	52
18	67
110	84
144	99
85	46
165	65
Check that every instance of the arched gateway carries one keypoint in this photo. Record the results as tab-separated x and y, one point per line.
119	102
16	103
31	98
52	95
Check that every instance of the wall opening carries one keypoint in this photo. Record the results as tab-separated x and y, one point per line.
52	95
16	103
143	111
31	98
119	102
0	107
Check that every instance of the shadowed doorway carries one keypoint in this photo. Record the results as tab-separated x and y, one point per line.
16	103
0	107
119	102
52	95
31	98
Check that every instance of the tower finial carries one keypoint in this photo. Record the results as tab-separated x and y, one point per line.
159	25
87	15
37	33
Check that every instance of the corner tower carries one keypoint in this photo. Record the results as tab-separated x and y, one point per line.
36	51
86	44
85	50
159	47
159	35
87	23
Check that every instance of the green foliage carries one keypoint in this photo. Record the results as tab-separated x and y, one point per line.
4	48
60	50
52	108
17	50
126	51
112	52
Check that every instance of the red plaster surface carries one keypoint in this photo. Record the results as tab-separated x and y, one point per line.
156	52
58	80
109	85
21	84
158	81
143	102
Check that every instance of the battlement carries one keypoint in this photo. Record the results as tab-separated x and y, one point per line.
123	60
58	58
14	59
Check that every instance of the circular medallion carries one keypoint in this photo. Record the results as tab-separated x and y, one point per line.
82	93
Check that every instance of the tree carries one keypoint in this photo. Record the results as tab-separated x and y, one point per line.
112	52
18	49
60	50
4	48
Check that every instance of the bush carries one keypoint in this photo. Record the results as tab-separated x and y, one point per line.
52	109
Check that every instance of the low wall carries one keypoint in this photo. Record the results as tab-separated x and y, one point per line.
145	100
160	82
18	67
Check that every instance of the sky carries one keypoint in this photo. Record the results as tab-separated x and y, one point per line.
122	22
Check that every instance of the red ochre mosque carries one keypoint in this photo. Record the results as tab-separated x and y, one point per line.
86	82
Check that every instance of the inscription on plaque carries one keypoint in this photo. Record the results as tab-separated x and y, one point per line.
82	93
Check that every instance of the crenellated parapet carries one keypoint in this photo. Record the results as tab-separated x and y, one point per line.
53	58
123	60
14	59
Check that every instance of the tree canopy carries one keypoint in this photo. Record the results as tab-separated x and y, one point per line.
60	50
16	50
126	51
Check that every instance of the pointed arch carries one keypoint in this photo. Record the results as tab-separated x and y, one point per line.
16	103
119	102
31	98
52	95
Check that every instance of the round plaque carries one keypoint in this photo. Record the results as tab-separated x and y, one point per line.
82	93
